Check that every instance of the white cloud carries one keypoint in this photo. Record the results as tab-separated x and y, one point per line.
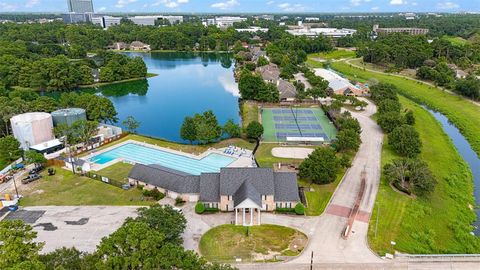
32	3
169	3
397	2
225	5
122	3
356	2
375	8
7	7
270	2
291	7
102	9
448	5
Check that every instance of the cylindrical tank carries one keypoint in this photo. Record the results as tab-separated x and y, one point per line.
68	116
32	128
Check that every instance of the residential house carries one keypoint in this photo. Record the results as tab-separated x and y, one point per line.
119	46
245	191
270	73
139	46
288	92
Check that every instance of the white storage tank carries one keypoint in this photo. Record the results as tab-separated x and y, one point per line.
32	128
68	116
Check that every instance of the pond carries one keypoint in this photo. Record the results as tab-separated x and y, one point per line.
468	155
187	83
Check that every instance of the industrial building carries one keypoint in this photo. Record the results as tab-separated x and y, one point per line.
68	116
224	21
32	128
150	20
328	32
106	21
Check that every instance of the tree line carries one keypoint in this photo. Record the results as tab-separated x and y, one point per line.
152	240
409	174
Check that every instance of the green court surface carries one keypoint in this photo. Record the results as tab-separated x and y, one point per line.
280	123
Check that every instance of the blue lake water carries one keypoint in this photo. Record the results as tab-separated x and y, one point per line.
186	84
468	155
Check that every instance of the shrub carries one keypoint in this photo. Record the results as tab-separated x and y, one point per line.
154	194
179	201
199	208
405	140
299	209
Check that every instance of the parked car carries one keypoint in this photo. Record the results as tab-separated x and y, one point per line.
31	178
36	170
180	210
5	178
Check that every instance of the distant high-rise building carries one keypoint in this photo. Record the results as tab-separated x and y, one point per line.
80	6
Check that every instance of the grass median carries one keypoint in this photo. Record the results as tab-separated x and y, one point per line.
440	223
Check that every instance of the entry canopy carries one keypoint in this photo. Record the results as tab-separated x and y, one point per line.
305	139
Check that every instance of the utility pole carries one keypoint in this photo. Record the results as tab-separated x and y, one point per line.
311	261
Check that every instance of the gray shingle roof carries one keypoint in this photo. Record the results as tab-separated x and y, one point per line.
166	178
247	191
286	89
286	189
210	187
232	178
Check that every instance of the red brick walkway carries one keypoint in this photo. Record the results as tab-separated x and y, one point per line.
343	211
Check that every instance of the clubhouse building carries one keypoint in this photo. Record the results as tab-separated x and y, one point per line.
246	191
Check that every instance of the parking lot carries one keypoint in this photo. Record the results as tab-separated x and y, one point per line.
72	226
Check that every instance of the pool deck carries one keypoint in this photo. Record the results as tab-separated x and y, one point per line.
242	158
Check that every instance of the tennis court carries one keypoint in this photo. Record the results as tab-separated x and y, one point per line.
280	123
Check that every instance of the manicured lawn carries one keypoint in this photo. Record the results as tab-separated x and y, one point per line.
194	149
65	188
227	242
438	224
249	113
458	41
337	54
118	171
461	112
318	199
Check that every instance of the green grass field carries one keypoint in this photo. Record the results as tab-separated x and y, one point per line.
249	113
227	242
65	188
461	112
456	40
118	171
438	224
337	54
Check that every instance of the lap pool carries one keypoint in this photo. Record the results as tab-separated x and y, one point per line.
146	155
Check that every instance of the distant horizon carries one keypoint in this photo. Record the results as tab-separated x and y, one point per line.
248	6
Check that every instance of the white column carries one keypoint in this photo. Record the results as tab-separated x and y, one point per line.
236	218
259	216
243	220
251	216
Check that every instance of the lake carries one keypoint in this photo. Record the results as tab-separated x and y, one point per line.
187	83
468	155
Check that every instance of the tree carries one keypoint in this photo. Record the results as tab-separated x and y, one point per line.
410	118
250	85
262	61
317	92
389	105
207	127
131	124
35	158
84	130
410	175
133	246
405	140
349	123
9	149
347	139
321	166
188	131
383	91
165	220
64	258
254	130
231	129
18	250
390	120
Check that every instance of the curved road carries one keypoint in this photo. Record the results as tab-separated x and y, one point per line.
325	231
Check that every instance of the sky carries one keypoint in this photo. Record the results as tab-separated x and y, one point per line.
253	6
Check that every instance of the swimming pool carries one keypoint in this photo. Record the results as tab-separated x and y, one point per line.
146	155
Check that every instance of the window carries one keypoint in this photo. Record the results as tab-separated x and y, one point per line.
229	197
288	205
264	197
